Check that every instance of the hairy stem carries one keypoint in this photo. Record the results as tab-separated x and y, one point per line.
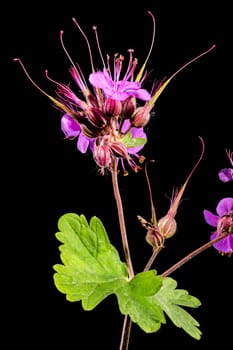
152	258
126	330
121	220
193	254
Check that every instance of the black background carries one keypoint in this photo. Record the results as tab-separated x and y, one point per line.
44	176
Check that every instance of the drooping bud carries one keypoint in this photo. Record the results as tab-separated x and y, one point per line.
112	108
119	149
128	107
154	238
167	226
102	155
141	116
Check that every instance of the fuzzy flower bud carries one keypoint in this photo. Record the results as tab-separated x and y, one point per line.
167	226
154	238
128	107
102	155
141	116
89	130
119	149
112	108
96	117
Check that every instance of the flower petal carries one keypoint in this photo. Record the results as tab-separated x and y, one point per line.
69	126
225	245
224	206
83	143
210	218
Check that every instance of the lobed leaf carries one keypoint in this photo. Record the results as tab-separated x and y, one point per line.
170	299
91	270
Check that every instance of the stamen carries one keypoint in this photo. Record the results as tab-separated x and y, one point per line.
56	102
98	45
87	41
29	77
66	52
139	76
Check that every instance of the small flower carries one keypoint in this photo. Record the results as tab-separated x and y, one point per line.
223	222
72	129
226	174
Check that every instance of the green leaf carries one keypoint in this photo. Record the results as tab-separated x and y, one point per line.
135	299
131	142
92	269
169	298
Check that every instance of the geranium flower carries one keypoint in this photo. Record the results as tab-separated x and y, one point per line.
72	129
226	174
109	116
223	222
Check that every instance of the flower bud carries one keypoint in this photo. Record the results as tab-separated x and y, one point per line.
140	117
112	108
102	155
119	149
154	238
167	226
128	107
89	130
96	117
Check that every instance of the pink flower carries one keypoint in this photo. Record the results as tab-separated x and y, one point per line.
223	222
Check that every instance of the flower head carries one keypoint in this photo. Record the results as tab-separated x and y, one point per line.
223	222
111	108
226	174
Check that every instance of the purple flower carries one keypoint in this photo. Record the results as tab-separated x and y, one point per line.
226	174
118	89
223	222
111	109
72	129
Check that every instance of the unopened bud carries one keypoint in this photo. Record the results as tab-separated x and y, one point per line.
167	226
128	107
119	149
154	238
102	155
96	117
112	108
140	117
89	130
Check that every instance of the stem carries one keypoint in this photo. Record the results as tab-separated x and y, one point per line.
121	220
193	254
125	335
126	330
152	258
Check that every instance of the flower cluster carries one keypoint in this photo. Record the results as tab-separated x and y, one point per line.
109	117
